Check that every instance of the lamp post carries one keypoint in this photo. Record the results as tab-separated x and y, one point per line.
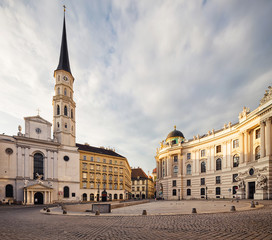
98	195
206	193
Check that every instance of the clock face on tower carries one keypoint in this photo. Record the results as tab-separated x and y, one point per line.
65	78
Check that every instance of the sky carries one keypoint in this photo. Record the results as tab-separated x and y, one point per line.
140	67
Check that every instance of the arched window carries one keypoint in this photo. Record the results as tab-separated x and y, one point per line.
65	110
257	153
38	165
84	197
203	167
121	196
236	160
58	124
58	110
115	196
9	191
72	114
65	92
218	164
91	197
174	192
189	169
58	91
175	169
65	125
66	192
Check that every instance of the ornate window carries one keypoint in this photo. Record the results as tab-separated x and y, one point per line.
217	179
218	191
65	92
65	110
258	133
189	169
218	164
188	156
58	110
72	114
257	153
58	91
175	158
9	191
202	181
174	183
175	169
236	143
188	182
174	192
84	197
203	167
38	165
66	192
202	153
236	160
58	124
218	149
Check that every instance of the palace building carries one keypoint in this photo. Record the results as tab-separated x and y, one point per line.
38	168
233	162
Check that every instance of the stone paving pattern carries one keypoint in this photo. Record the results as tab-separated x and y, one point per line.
29	223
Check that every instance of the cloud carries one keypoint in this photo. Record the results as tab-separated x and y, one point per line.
140	67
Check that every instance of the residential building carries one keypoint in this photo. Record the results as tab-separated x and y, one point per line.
142	185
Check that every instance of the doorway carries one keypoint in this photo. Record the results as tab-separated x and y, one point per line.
38	198
251	190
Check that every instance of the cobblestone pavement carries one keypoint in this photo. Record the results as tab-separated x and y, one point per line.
29	223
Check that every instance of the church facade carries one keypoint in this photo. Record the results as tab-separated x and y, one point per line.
233	162
34	167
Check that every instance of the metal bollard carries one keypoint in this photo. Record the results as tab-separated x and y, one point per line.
257	203
144	212
232	209
48	210
193	210
252	204
97	213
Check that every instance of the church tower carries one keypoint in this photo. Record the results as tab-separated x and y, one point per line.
64	125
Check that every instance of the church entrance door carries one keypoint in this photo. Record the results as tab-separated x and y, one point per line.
38	198
251	190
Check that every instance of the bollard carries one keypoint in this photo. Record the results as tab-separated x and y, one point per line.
64	211
257	203
97	213
252	204
193	210
44	209
144	212
232	209
48	210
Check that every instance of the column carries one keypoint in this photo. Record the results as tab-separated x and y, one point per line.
225	145
24	196
27	196
19	161
46	165
241	146
157	163
197	161
208	158
268	136
194	161
246	146
27	162
55	162
212	158
262	139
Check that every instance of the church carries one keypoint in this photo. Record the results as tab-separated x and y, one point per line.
232	162
34	167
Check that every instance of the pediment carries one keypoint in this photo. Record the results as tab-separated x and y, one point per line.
37	119
38	186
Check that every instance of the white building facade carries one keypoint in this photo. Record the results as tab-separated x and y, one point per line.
234	161
38	168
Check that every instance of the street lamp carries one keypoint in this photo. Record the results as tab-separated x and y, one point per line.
98	195
206	193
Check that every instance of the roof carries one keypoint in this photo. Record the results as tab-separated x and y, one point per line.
104	151
154	170
175	133
64	57
138	172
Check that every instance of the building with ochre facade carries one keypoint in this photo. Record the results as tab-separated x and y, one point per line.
234	161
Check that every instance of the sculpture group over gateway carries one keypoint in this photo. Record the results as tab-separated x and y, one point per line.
232	162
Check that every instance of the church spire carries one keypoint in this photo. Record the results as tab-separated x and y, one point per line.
64	57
